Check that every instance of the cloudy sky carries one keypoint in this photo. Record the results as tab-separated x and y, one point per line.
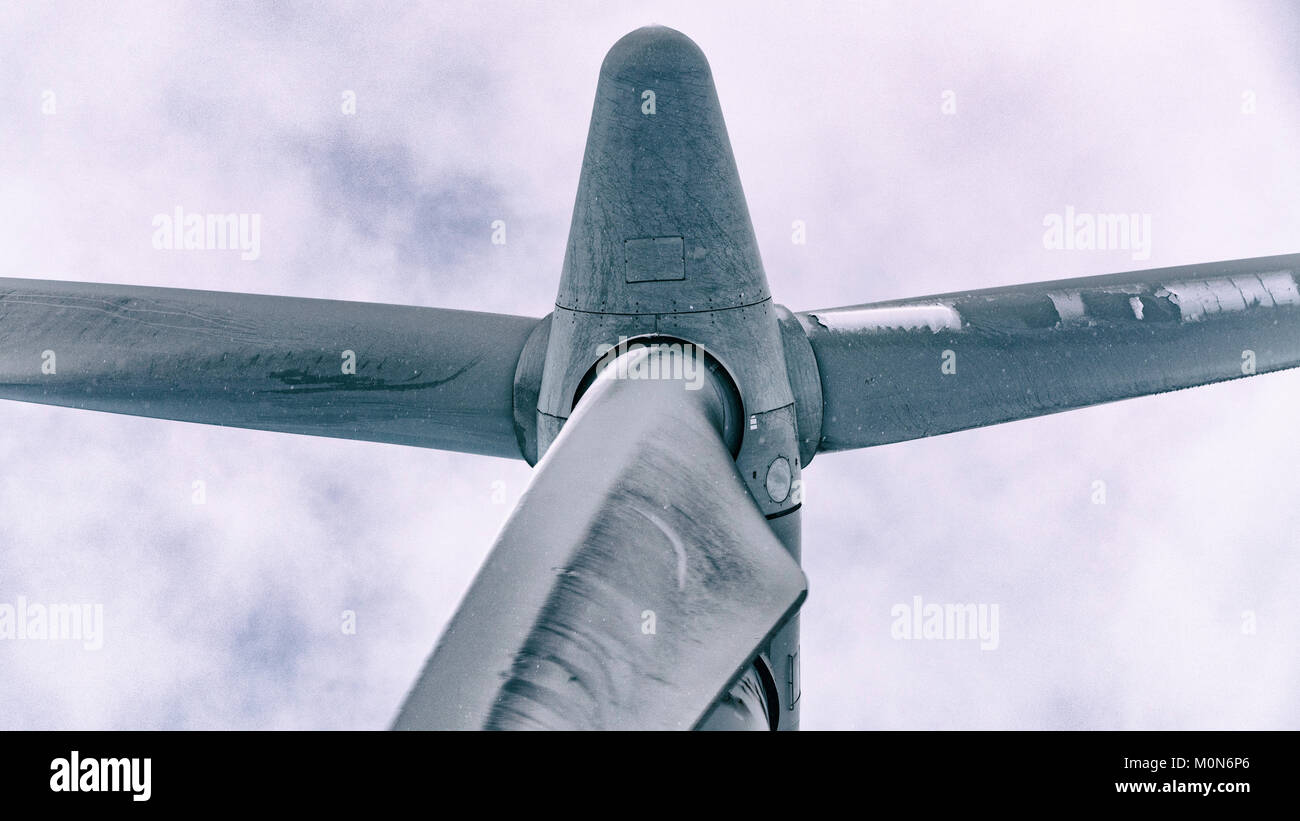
1128	614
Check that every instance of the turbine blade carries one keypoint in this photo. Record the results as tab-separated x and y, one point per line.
893	371
628	589
385	373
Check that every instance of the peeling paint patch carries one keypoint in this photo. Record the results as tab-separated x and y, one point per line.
1111	305
1268	290
1069	305
934	318
1197	298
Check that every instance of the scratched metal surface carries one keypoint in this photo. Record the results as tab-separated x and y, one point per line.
1028	350
424	376
636	507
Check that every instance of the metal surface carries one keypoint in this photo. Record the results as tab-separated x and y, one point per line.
805	383
528	382
633	583
658	164
427	377
1028	350
661	243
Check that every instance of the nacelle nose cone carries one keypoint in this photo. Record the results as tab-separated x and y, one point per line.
654	49
660	224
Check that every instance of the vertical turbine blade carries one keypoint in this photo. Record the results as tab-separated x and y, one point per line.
629	588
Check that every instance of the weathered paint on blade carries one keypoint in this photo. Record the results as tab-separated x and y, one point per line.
629	587
933	318
1028	350
423	376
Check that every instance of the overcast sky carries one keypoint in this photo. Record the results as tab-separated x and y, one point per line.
1127	614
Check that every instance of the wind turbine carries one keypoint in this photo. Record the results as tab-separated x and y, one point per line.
649	577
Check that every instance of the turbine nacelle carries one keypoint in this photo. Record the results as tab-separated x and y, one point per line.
662	245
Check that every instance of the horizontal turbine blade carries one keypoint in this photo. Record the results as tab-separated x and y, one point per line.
628	589
384	373
893	371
